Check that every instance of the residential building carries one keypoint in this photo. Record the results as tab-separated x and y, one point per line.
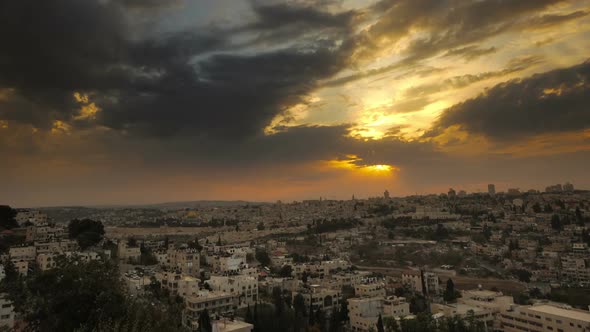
544	317
373	289
178	283
426	283
214	302
6	312
127	252
229	325
186	260
243	287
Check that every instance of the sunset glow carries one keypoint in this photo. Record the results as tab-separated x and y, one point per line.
328	96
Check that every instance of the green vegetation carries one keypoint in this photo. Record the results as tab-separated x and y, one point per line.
451	294
7	215
262	257
84	296
577	297
327	226
86	231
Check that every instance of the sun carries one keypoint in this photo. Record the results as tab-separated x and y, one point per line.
379	168
354	163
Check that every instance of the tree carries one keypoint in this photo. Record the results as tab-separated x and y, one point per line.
94	287
262	257
487	232
260	226
579	216
320	319
523	275
286	271
449	295
147	256
380	327
391	324
344	311
205	322
86	231
7	215
279	303
556	223
299	304
249	318
219	241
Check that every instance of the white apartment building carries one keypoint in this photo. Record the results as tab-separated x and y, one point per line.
34	217
25	253
544	317
42	232
6	312
364	312
463	310
49	260
228	263
394	306
179	284
21	267
214	302
423	282
373	289
321	269
244	288
323	298
54	247
125	252
187	261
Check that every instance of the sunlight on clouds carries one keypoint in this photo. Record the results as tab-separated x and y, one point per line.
88	109
354	163
60	127
293	116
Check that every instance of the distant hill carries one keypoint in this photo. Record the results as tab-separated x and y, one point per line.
166	205
183	205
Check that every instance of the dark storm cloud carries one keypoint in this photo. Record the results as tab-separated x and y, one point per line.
230	96
555	101
276	16
154	86
149	4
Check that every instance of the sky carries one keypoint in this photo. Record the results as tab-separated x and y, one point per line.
144	101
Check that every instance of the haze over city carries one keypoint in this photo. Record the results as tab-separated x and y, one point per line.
294	165
117	102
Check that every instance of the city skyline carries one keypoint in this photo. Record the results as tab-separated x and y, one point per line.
134	102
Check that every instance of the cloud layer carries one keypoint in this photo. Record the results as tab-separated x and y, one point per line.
287	87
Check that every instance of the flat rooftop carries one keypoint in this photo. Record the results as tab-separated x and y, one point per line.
229	326
568	313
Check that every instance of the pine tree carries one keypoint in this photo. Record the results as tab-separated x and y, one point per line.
205	322
249	318
380	327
